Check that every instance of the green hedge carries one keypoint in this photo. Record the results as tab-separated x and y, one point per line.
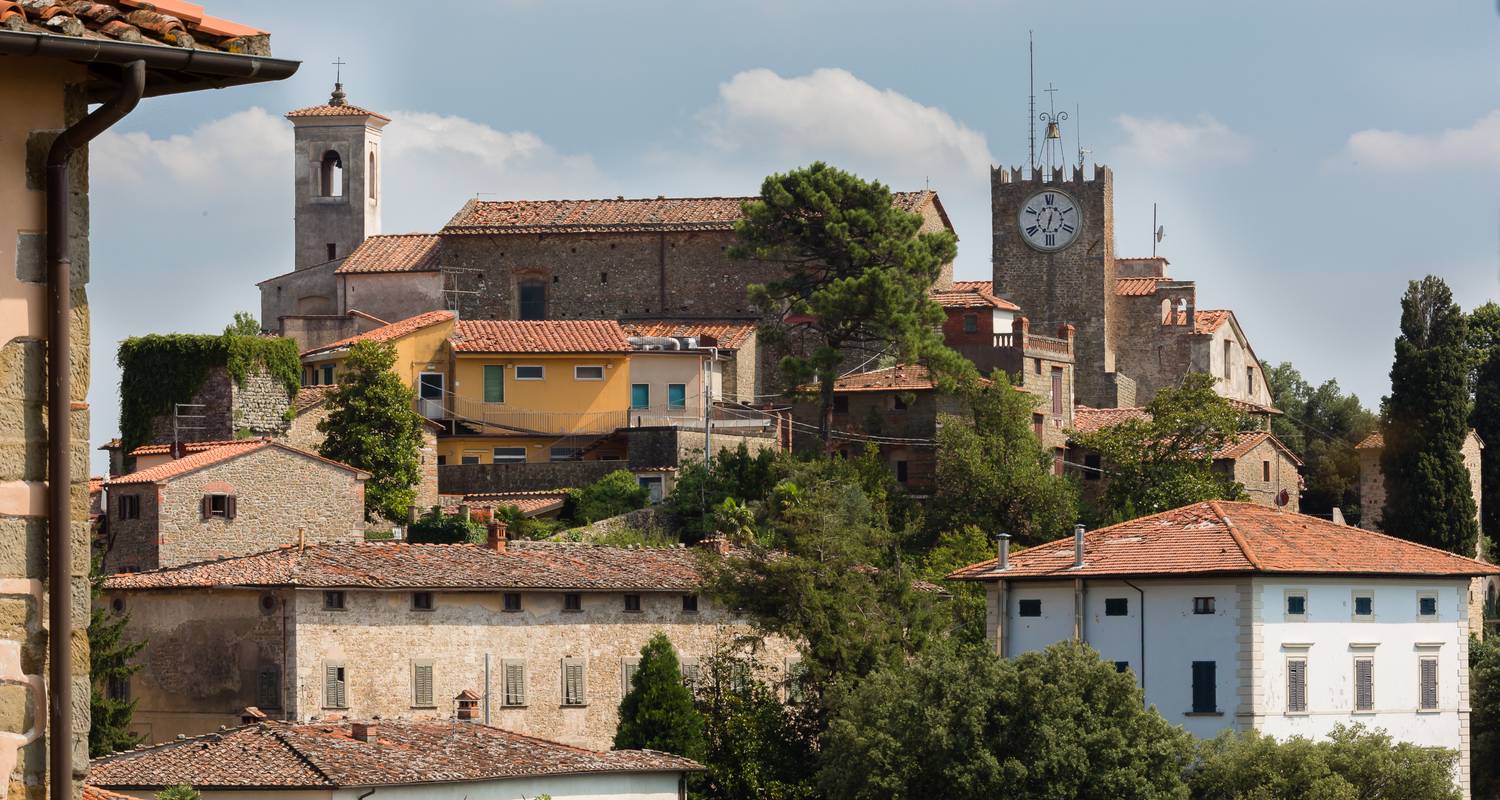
157	371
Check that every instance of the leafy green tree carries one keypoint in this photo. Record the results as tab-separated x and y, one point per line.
757	747
954	549
1167	460
1484	720
243	324
612	495
959	722
110	664
372	425
182	792
854	280
993	473
1428	495
435	527
1351	764
1484	346
657	713
1322	425
700	491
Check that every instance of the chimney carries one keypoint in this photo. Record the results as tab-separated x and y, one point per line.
1002	555
463	511
496	536
364	731
717	544
1077	545
251	715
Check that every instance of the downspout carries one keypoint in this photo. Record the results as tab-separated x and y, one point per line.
59	439
1142	617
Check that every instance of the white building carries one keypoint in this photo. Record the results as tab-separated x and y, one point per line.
1238	616
403	760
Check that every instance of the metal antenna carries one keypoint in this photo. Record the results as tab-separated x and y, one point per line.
1031	111
1158	232
1078	134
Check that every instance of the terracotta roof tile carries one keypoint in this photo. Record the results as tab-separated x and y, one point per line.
188	447
334	109
1136	287
1090	420
387	565
96	484
902	377
204	458
1205	320
972	294
91	792
169	23
618	215
540	336
529	503
309	397
1375	441
386	333
731	334
1220	537
1245	441
311	755
403	252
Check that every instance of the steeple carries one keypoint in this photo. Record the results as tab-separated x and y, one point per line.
337	98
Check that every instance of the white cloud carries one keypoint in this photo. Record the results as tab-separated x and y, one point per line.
1158	142
244	144
1475	146
831	114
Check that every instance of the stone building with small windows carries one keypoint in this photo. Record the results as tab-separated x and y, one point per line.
228	499
545	634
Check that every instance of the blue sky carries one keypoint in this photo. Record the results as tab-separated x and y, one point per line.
1308	159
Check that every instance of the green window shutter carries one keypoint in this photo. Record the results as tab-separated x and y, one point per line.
676	395
494	383
422	685
640	396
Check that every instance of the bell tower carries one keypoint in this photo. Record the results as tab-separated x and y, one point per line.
1054	257
336	178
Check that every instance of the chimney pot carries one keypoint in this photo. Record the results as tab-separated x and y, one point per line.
1003	552
1078	545
497	534
364	731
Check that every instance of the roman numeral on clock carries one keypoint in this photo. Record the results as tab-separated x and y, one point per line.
1051	239
1049	198
1031	231
1031	211
1067	228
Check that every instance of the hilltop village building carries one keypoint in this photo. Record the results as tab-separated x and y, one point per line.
545	634
1233	616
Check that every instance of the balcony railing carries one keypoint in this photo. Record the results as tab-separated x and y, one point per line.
543	423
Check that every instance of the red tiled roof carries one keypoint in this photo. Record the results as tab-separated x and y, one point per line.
902	377
322	755
172	23
539	336
386	333
1245	407
205	458
401	252
188	447
972	294
731	334
1089	420
618	215
1375	441
399	565
1206	320
311	396
96	485
529	503
91	792
1136	287
1245	441
1220	537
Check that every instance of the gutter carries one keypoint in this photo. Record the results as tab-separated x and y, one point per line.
59	424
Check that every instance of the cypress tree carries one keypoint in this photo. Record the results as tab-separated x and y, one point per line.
1484	338
109	664
1428	496
657	713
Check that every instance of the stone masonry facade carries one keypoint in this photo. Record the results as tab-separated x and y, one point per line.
255	407
281	498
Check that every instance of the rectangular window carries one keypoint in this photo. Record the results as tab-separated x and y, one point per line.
130	506
1059	461
841	404
1427	605
1057	391
1427	683
632	602
513	683
421	684
1250	381
118	688
971	323
470	457
1227	346
334	686
1038	423
690	604
1296	606
494	383
572	601
898	402
573	676
588	373
653	486
268	688
1296	685
1203	605
689	672
512	601
532	303
327	374
421	601
1122	666
1116	606
1265	471
510	455
442	461
564	454
1092	467
901	472
676	396
333	601
1364	684
531	372
218	505
1205	688
1036	364
640	396
1029	608
1364	606
796	680
628	668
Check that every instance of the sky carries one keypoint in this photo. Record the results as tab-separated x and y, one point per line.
1307	159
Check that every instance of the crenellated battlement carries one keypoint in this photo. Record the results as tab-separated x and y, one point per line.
1056	175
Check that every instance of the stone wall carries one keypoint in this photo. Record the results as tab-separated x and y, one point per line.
876	413
303	434
258	407
282	498
669	447
1250	469
483	478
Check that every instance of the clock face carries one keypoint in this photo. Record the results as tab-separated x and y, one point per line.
1050	220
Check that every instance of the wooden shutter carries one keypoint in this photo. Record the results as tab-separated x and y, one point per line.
573	683
1428	675
494	383
333	687
1364	684
1057	391
515	684
421	685
229	506
1204	690
628	669
1296	685
206	506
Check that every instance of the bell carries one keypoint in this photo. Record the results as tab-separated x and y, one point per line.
1053	132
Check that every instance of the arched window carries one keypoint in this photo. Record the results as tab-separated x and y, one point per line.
1182	311
332	175
372	178
532	296
1166	312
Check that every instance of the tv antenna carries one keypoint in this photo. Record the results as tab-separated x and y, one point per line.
1158	232
1031	111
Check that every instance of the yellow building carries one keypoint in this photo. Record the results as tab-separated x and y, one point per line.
421	344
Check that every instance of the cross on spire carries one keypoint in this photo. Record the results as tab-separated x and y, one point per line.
338	66
338	98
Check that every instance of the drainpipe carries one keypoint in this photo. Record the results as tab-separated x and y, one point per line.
59	439
1142	617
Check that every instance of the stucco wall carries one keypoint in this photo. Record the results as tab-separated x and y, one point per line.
657	370
392	296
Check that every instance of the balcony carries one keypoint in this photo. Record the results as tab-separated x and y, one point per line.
499	418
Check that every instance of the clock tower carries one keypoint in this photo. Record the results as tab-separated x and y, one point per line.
1054	257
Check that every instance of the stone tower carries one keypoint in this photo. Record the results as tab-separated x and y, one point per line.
1066	279
336	179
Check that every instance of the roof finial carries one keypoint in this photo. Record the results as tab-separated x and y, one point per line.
338	98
